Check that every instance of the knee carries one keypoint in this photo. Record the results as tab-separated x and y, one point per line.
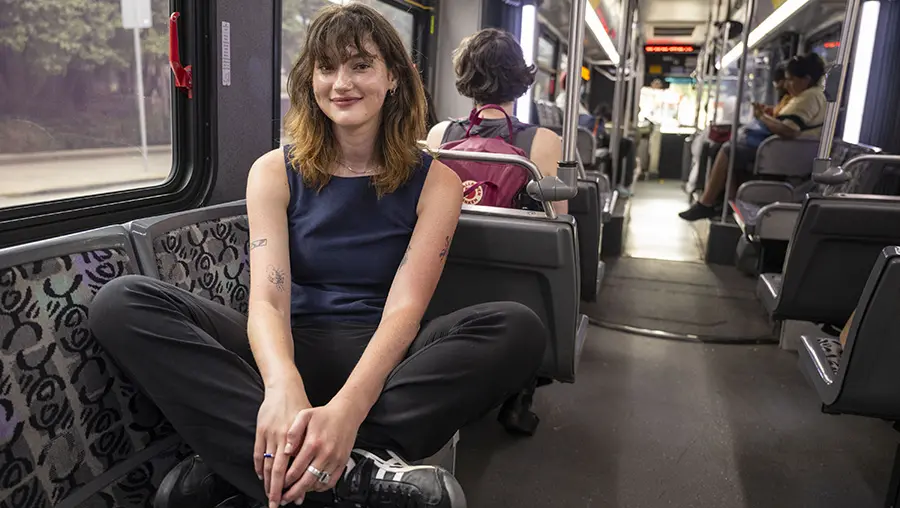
524	333
112	305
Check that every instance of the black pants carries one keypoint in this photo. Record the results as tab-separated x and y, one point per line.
192	357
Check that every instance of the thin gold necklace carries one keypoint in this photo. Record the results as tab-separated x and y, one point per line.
363	172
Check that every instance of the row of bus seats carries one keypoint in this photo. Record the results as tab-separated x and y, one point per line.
592	207
778	158
842	261
73	430
767	211
833	245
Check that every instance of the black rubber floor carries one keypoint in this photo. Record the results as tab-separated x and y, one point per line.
652	423
680	297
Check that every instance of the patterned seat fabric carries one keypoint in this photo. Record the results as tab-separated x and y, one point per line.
210	259
833	350
66	413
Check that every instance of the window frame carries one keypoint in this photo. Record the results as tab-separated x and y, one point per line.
424	50
193	153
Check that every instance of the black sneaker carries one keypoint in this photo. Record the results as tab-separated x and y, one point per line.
192	484
386	481
698	211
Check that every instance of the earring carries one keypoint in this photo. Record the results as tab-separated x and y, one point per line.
391	91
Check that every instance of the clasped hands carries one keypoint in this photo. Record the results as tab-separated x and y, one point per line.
291	436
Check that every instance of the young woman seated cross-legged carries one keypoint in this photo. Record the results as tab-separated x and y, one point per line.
333	382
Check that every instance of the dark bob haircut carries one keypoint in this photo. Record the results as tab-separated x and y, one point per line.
490	68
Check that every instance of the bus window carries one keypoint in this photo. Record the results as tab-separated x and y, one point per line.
75	120
296	15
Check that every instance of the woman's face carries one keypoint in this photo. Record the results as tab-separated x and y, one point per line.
352	93
795	85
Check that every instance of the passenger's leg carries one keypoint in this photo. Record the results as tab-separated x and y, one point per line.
192	358
704	208
460	367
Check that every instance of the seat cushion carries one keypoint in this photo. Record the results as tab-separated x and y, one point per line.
747	212
832	349
768	287
210	259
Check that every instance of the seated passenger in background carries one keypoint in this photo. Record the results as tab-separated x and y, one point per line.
803	115
332	381
490	69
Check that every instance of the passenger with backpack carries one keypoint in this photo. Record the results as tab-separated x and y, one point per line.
491	70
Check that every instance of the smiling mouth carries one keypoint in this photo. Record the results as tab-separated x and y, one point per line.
345	100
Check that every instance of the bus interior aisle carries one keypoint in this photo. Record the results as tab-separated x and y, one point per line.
662	282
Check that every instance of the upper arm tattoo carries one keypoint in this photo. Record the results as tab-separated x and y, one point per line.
445	250
276	276
258	243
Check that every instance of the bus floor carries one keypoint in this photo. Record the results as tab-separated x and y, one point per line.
653	423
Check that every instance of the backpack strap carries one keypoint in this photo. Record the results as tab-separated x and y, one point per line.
475	119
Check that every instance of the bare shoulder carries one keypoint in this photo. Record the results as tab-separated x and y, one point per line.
546	138
442	188
267	177
436	134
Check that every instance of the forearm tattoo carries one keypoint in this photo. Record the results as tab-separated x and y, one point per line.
276	276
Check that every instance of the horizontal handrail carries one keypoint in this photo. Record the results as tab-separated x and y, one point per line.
839	174
503	158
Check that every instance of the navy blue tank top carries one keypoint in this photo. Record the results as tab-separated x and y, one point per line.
346	244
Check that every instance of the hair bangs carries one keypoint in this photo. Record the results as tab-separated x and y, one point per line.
340	38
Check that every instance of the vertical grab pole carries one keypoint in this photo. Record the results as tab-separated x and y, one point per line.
736	119
622	47
639	76
719	55
702	64
712	53
632	78
834	87
573	84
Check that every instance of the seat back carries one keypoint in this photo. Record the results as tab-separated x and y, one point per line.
868	378
204	251
830	256
586	208
73	430
520	256
786	158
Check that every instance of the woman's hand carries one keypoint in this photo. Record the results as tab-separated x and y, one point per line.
282	403
323	438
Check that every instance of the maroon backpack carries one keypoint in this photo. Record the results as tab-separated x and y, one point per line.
488	183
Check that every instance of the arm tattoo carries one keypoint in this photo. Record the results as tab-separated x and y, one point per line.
276	276
258	243
445	250
405	258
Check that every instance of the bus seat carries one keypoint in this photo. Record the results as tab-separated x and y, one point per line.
608	195
204	251
863	377
834	246
786	158
586	207
522	256
75	430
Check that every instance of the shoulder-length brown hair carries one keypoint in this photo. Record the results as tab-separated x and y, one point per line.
334	32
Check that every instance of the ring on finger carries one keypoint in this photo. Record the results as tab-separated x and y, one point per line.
321	475
268	456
